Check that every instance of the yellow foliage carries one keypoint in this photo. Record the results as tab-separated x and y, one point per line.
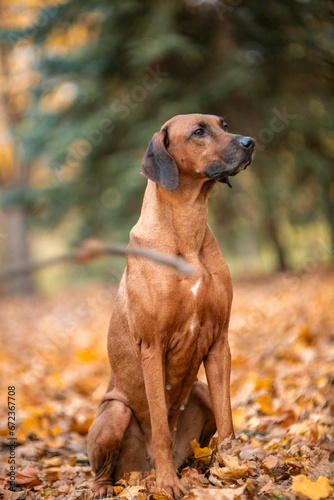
312	489
63	41
59	99
8	166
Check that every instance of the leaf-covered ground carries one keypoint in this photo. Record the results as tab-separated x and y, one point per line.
282	338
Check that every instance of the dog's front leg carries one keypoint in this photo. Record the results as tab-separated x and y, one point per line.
162	443
218	369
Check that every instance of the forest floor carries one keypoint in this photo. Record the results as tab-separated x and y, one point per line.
53	352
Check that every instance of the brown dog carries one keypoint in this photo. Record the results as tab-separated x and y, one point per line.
164	324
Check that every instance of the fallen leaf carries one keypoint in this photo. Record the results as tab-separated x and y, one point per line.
255	443
217	493
262	383
201	453
272	489
117	489
193	477
64	488
289	417
12	495
266	405
81	426
52	462
270	462
81	495
131	492
294	464
232	470
52	475
312	489
71	460
27	477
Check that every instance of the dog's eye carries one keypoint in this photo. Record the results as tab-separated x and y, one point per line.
199	131
225	127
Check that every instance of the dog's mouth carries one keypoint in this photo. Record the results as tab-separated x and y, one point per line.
225	177
215	172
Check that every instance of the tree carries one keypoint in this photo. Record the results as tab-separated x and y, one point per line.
14	180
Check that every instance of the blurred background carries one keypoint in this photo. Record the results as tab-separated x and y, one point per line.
85	84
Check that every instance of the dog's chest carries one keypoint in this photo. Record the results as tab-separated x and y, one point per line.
205	303
199	317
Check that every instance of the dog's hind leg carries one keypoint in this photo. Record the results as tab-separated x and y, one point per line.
196	421
104	444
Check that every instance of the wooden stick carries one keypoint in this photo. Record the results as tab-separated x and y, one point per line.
92	249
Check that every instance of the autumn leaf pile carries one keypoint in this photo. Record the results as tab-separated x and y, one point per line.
282	341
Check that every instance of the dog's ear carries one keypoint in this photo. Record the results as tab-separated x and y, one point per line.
158	165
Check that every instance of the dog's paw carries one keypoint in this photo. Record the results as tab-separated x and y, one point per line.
172	487
103	490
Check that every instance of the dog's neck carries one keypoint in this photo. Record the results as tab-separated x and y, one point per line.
182	213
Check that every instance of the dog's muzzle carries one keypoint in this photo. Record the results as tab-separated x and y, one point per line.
247	145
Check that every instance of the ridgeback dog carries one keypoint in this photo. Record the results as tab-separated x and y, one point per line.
165	324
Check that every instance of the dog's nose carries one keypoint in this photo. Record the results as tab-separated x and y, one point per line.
247	142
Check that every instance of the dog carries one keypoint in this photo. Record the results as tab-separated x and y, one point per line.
164	324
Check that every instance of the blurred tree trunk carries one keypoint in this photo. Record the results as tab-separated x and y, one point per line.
13	176
274	236
328	199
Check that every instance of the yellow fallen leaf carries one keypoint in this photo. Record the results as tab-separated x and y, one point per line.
35	425
262	383
131	492
55	443
56	430
56	380
132	478
82	425
232	470
52	462
255	443
71	460
201	453
86	355
322	382
239	417
266	405
312	489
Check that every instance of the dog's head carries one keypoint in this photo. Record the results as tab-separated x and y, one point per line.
197	146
